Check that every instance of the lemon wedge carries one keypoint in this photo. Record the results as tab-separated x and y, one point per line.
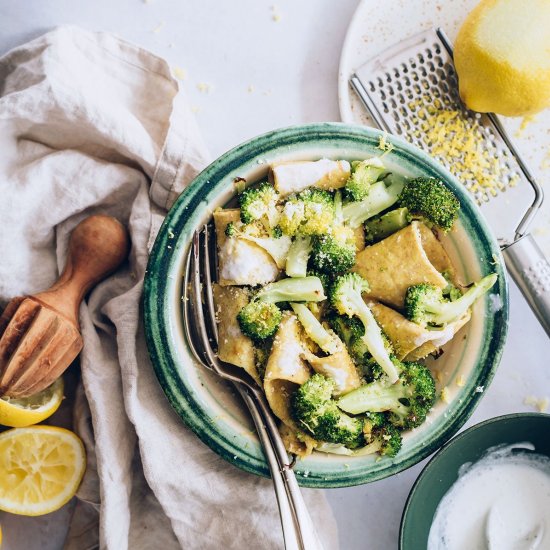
502	57
18	413
41	468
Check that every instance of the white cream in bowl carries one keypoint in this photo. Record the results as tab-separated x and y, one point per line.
501	502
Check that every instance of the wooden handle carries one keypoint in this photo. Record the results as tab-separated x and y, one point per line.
97	247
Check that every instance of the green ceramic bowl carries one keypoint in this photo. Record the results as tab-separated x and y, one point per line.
210	407
442	470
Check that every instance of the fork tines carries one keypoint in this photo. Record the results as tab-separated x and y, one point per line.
199	312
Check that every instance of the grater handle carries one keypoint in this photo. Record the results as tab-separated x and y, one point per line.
531	272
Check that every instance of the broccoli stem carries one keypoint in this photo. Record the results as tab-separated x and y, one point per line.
446	312
373	337
374	397
379	198
298	256
314	329
384	226
302	289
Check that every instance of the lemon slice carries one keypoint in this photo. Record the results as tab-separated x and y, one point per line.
40	469
21	412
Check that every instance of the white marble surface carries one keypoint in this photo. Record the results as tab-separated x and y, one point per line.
249	66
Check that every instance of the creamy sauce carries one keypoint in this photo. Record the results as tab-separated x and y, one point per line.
245	263
501	502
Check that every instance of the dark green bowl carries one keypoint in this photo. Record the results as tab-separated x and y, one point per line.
210	407
469	446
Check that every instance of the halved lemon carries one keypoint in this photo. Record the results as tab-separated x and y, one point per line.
18	413
41	468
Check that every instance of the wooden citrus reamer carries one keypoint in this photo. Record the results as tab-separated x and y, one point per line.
40	334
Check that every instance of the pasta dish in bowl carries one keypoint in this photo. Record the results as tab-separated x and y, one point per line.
357	284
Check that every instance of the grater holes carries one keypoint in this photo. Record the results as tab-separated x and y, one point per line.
420	95
372	86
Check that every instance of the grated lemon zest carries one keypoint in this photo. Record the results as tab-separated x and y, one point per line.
461	143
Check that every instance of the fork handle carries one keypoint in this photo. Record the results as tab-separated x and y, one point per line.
303	536
290	532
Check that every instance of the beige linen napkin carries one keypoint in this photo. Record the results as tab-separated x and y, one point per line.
90	123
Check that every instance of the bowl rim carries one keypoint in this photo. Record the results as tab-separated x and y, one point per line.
190	200
448	447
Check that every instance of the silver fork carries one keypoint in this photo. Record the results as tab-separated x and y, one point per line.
201	331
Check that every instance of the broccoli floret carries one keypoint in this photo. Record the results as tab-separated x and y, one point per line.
311	212
363	174
426	305
334	253
277	232
313	408
430	199
381	436
450	292
298	256
327	341
261	317
380	197
347	328
362	357
231	230
380	227
259	202
346	298
407	402
259	320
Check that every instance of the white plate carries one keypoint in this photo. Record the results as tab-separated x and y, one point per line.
377	25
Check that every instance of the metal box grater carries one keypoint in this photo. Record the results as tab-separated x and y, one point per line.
399	86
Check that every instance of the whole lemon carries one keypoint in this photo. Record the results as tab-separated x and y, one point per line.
502	57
